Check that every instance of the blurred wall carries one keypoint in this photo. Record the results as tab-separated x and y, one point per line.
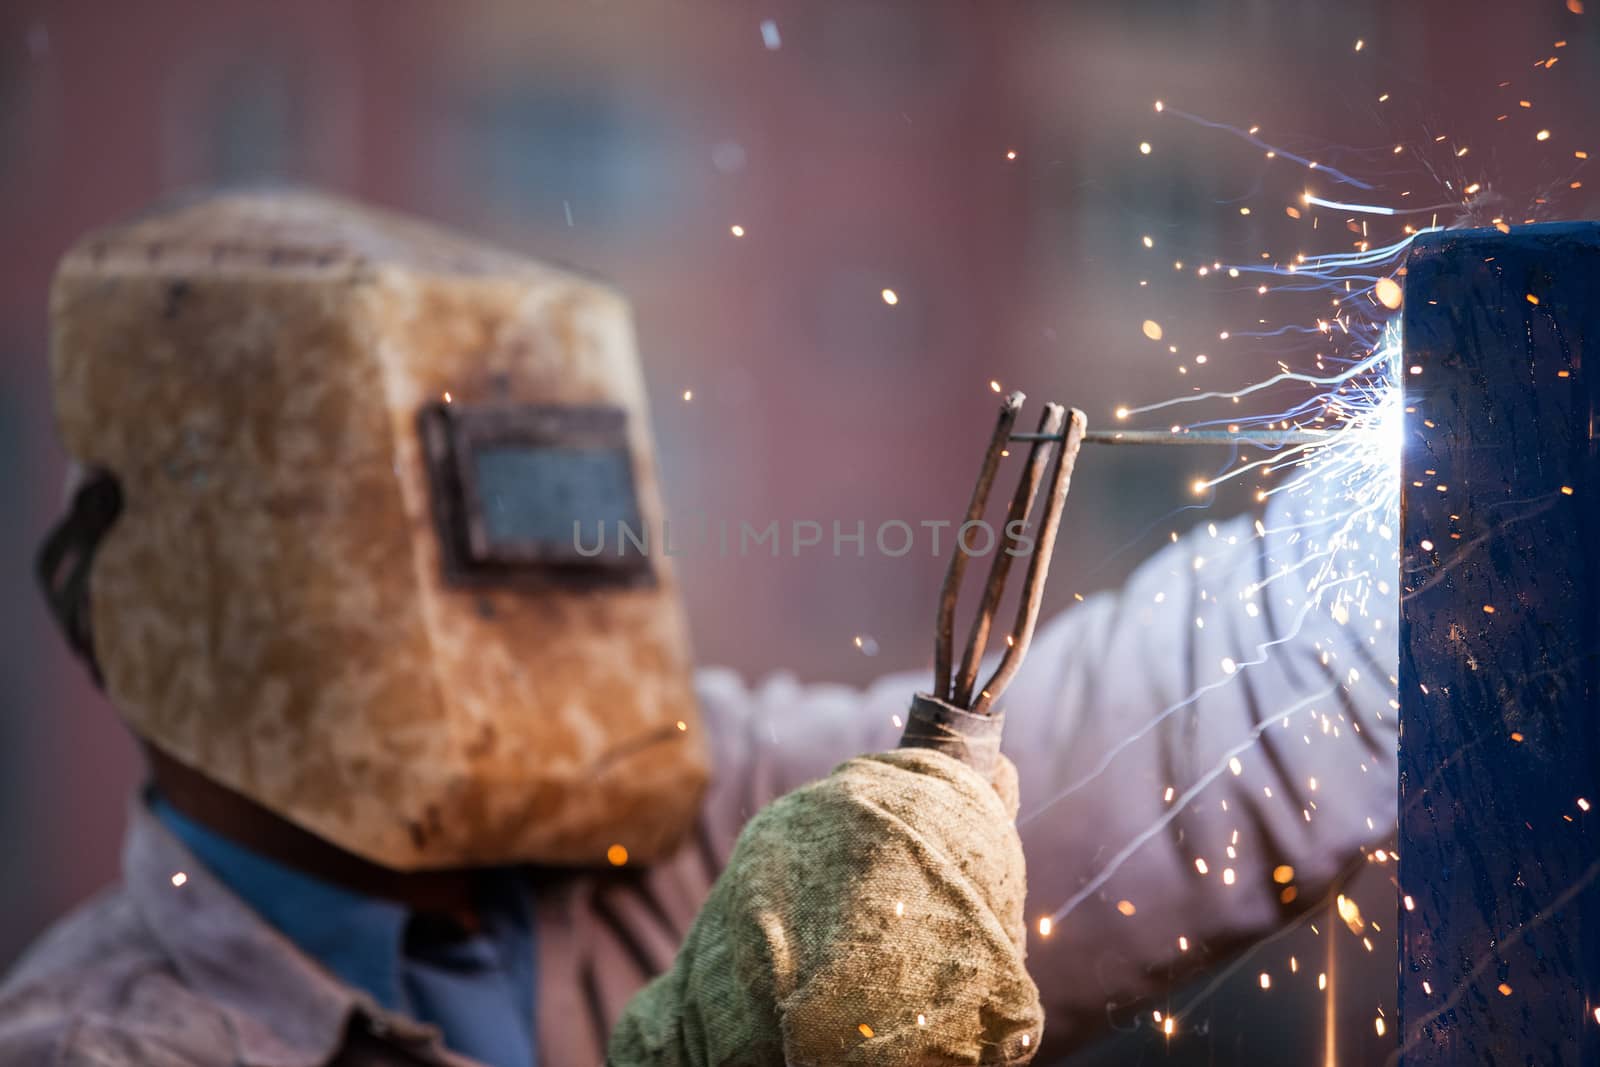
980	160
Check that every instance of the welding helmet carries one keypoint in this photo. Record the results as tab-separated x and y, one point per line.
351	477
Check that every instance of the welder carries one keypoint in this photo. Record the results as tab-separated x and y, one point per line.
429	785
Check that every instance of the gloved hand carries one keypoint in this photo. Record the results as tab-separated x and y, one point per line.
873	917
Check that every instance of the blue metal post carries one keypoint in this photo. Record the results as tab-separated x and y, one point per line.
1500	649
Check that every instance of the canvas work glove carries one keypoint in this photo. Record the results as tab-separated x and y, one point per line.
872	917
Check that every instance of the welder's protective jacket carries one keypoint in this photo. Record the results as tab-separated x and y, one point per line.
1105	736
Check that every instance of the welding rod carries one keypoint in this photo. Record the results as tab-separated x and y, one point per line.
1260	438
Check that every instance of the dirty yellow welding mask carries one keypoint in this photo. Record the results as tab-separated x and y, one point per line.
364	467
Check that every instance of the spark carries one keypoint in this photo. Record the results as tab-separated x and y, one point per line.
1350	912
1250	136
1351	478
1312	200
1369	209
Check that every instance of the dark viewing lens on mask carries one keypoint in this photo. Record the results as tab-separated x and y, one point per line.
530	491
535	493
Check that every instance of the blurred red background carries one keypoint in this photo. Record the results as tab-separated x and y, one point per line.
981	160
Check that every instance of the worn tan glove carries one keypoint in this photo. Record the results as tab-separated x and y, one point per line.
873	917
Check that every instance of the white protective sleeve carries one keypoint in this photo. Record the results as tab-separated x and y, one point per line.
1208	705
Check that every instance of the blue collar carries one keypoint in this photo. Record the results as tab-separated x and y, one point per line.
478	989
357	938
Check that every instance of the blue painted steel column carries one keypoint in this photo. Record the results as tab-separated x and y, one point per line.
1500	649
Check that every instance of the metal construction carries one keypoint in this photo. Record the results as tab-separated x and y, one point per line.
1499	669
